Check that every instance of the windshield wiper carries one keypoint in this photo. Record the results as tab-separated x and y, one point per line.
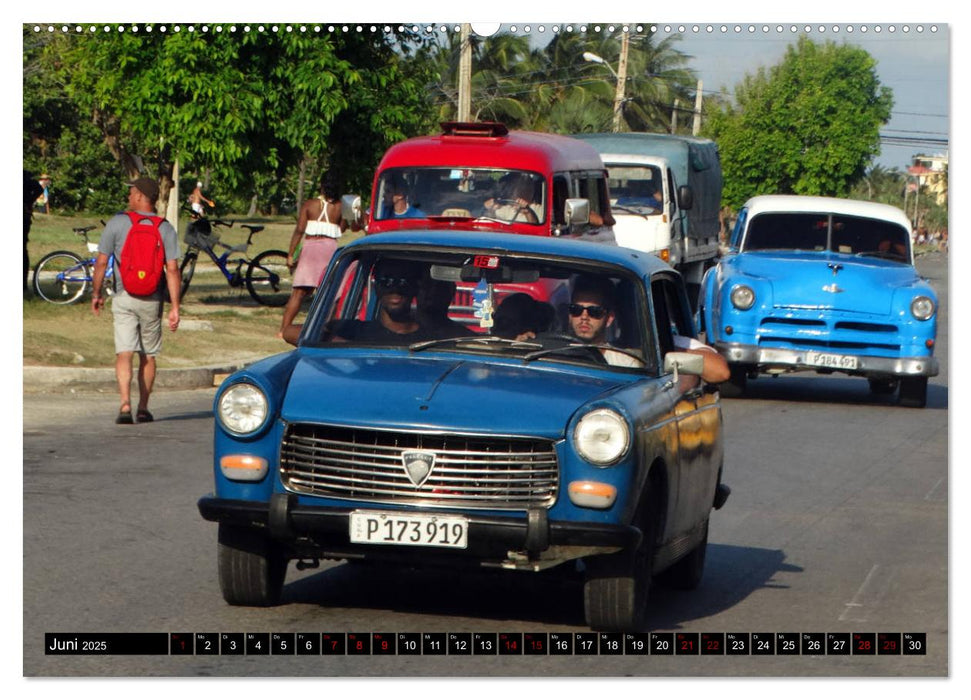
479	340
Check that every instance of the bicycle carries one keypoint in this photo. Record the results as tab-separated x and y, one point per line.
62	277
267	277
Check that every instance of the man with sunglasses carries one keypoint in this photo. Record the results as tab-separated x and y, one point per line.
592	314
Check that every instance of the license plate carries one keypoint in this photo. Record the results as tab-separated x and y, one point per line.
369	527
824	359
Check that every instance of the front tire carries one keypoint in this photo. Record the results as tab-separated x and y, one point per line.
268	278
734	386
252	568
617	586
61	277
913	392
882	387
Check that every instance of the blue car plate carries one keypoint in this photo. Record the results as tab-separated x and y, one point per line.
418	529
830	360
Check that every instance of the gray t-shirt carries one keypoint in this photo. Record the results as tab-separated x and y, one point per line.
116	231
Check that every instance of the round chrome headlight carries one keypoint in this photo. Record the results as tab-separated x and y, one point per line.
243	409
743	297
602	437
922	308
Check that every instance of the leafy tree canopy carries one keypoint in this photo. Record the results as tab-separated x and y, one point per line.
809	125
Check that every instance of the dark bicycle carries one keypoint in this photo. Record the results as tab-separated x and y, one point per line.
62	277
267	277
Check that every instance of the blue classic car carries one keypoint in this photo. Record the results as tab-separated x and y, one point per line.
822	284
572	432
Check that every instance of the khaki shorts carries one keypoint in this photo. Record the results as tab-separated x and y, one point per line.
138	324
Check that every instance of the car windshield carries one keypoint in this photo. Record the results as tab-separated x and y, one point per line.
637	187
852	235
468	193
511	305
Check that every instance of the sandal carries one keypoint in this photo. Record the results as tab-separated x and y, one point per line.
144	416
124	417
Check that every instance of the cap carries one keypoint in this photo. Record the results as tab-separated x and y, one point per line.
147	186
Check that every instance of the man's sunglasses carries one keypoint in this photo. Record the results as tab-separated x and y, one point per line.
595	311
383	282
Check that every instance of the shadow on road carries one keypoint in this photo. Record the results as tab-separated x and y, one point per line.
552	597
835	390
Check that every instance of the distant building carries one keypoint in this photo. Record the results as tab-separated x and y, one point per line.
931	173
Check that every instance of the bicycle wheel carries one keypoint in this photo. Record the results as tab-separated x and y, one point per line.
61	277
187	270
268	278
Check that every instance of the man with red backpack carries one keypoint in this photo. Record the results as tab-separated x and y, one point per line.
146	250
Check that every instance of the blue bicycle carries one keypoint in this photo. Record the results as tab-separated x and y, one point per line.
62	277
266	277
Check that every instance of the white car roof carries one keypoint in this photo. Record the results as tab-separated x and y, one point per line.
829	205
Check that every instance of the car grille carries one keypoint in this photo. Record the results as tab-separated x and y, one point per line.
845	335
368	465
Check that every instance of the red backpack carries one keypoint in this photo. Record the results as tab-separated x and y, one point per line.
143	255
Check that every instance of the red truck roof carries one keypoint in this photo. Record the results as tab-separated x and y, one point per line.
491	145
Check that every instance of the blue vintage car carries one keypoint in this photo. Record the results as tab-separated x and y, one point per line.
822	284
395	433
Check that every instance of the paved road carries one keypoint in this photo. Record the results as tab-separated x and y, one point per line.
837	524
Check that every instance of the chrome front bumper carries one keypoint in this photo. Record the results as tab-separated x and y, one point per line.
795	360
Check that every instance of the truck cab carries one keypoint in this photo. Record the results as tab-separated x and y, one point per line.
665	195
483	177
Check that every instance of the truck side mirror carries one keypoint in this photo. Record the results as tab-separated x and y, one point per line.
576	212
686	197
351	208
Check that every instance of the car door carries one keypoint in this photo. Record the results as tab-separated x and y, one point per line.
696	409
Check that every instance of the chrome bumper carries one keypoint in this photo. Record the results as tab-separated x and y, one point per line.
793	360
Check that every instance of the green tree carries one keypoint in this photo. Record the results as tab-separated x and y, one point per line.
809	125
577	96
246	107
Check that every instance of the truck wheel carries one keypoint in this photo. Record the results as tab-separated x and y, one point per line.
734	387
882	386
685	574
251	567
616	588
913	392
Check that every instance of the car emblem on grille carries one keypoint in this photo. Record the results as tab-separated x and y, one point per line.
835	267
418	466
832	288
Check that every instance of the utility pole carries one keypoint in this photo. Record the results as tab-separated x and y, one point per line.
621	79
465	74
674	117
696	125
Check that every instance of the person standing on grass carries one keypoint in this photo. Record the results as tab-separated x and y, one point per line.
319	225
137	319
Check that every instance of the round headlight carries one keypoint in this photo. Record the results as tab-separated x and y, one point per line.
243	409
743	297
602	437
922	308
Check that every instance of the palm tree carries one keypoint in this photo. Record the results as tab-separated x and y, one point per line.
576	96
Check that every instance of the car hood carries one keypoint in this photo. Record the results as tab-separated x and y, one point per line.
457	395
828	280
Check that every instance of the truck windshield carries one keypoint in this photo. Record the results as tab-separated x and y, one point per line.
425	192
636	186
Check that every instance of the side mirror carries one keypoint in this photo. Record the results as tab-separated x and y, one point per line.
351	208
684	363
686	197
576	212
